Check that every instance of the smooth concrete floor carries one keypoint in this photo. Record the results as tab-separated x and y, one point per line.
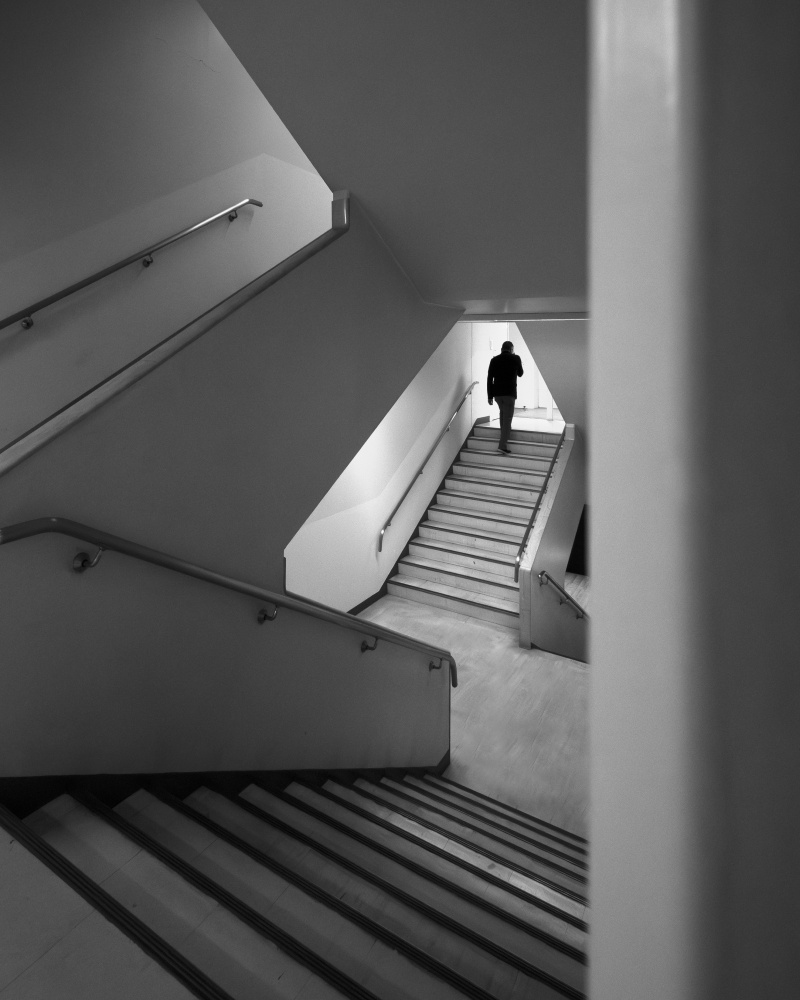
519	717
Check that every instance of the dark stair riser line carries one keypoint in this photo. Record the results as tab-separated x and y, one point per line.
426	787
474	816
535	901
411	866
526	816
485	852
428	546
354	915
266	928
510	590
461	600
184	971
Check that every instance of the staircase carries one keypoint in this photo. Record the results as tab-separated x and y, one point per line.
405	887
463	556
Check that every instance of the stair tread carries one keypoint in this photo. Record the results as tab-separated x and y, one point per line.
466	550
224	948
483	515
499	484
456	593
328	933
531	855
488	498
527	908
485	467
456	570
528	884
371	901
507	814
484	533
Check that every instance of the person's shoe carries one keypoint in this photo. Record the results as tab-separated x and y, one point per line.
504	451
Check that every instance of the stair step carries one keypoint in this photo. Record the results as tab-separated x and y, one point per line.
498	474
49	927
534	854
528	884
227	950
490	488
541	452
508	463
539	836
464	602
481	502
461	577
513	527
434	910
483	541
496	810
417	923
547	438
309	912
463	555
540	867
416	854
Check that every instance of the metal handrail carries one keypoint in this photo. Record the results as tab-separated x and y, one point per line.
542	492
145	256
545	579
399	503
105	541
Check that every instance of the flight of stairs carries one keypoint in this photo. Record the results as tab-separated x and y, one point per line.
462	558
405	887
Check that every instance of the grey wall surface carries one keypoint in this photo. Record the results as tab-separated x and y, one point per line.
461	126
222	453
695	587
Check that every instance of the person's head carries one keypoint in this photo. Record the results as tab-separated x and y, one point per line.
508	347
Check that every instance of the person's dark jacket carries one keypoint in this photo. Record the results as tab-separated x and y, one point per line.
503	372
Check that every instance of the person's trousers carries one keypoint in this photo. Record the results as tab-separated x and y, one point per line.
506	404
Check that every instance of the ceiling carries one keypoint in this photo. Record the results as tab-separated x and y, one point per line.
460	125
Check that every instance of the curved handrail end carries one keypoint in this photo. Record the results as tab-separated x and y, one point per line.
340	210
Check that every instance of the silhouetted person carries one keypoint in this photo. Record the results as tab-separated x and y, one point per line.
501	385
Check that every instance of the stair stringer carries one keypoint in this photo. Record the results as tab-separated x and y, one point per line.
545	622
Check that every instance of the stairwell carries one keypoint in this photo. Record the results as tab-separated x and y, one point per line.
331	885
463	556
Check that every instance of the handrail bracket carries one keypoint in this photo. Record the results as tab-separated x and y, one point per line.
82	562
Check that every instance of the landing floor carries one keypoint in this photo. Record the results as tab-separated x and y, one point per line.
519	717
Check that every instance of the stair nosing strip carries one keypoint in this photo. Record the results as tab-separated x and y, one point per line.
450	597
484	498
406	898
415	867
421	540
487	853
152	944
261	925
519	812
461	512
509	887
442	525
544	847
465	576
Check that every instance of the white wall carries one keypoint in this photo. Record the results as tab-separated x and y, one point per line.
696	692
130	122
561	349
334	558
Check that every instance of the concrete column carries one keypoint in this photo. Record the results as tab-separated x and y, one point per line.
695	265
